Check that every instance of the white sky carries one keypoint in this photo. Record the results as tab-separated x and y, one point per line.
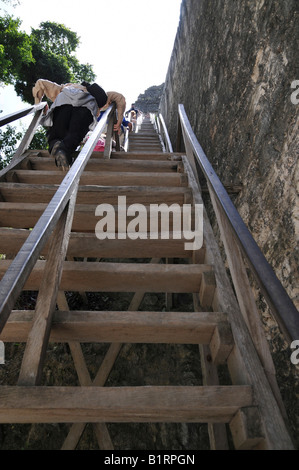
129	44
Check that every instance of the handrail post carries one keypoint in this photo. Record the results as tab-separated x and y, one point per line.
179	135
166	141
109	135
26	141
116	134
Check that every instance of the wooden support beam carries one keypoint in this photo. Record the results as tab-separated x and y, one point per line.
37	341
171	404
207	289
243	363
87	245
221	343
120	277
247	430
217	431
102	434
122	326
26	215
247	301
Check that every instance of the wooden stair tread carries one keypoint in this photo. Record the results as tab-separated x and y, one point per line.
120	326
101	178
87	245
96	194
122	404
120	277
119	165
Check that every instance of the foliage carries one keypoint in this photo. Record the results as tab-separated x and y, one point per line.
49	52
10	138
39	140
8	141
15	49
56	38
53	47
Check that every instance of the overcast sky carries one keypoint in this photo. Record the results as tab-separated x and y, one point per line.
129	44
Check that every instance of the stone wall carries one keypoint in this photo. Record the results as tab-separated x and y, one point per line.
148	102
232	67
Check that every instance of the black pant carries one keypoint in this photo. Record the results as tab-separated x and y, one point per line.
70	125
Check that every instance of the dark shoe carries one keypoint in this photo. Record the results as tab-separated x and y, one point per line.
61	160
55	148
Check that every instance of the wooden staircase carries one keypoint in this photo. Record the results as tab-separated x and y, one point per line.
244	413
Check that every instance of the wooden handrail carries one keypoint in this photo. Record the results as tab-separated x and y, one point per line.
280	304
15	277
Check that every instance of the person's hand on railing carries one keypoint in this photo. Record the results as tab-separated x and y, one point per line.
116	127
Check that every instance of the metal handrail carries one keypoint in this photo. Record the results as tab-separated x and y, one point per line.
20	268
281	306
164	133
161	129
21	113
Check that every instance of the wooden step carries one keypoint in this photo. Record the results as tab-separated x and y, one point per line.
102	178
120	327
25	215
96	194
87	245
146	155
97	165
122	404
120	277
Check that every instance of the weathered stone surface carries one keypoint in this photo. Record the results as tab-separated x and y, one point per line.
148	102
232	67
235	68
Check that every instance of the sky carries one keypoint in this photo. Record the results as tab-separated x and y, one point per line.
128	44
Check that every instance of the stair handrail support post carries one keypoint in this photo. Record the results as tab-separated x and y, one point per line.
20	154
110	133
26	141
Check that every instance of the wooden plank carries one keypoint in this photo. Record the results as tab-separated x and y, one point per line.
87	245
36	344
95	194
222	343
207	289
119	277
217	431
122	326
247	430
243	363
122	404
103	178
97	165
102	375
146	156
246	300
100	429
25	215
